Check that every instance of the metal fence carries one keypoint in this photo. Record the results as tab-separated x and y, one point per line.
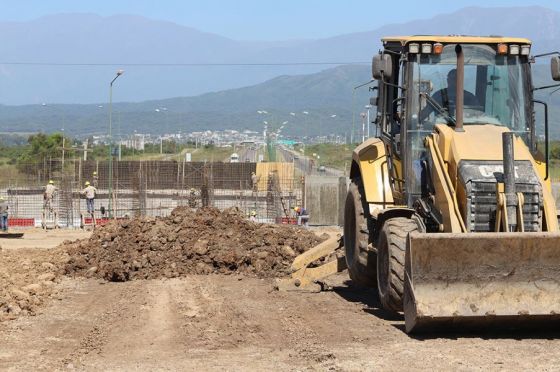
150	188
155	188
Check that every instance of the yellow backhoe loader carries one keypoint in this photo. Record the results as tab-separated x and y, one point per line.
449	212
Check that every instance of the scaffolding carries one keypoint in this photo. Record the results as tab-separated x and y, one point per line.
150	188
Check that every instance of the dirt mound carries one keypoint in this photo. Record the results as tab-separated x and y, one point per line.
188	242
27	280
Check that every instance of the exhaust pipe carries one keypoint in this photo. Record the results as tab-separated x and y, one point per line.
460	93
509	180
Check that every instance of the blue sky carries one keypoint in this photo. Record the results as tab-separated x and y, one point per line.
260	19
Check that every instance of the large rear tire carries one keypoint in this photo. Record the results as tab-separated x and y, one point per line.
361	262
391	249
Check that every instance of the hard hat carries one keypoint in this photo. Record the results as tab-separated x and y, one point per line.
95	173
87	183
1	198
253	213
51	182
296	209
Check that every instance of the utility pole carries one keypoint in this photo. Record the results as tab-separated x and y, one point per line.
119	73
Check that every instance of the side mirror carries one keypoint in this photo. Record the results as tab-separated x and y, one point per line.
555	68
382	67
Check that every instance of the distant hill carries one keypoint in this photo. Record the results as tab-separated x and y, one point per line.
321	94
129	41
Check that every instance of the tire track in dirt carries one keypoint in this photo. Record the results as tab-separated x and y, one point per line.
147	332
215	322
236	323
278	322
67	330
307	345
168	320
176	323
117	299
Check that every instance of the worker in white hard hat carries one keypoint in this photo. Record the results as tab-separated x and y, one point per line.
49	194
3	214
89	192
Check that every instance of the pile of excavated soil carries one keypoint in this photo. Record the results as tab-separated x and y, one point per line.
188	242
27	280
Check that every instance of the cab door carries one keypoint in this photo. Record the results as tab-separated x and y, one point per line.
391	113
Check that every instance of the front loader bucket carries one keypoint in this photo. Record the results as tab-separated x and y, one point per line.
474	280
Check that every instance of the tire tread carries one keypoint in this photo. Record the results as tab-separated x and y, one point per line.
396	231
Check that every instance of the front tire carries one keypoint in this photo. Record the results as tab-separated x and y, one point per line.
360	261
391	249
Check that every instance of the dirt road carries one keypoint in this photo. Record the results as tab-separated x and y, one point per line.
227	322
40	239
234	323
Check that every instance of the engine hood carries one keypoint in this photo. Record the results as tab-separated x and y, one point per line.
476	142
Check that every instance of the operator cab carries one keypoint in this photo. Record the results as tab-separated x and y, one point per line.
417	90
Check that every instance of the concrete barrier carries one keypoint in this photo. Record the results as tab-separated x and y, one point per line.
324	199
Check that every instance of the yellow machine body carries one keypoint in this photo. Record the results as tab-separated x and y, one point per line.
455	276
448	252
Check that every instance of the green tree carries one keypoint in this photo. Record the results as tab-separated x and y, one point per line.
41	148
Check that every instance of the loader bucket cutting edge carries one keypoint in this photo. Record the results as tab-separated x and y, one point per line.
472	280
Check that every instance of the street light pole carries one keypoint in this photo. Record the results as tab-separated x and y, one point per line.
63	143
353	113
119	73
306	128
368	107
164	109
363	115
120	137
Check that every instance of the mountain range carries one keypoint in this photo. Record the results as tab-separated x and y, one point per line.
285	98
71	58
55	72
314	104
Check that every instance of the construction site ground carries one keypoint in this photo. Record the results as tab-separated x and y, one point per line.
232	322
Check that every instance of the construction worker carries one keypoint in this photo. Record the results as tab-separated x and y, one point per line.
48	195
3	214
254	182
302	216
253	216
95	180
192	198
89	192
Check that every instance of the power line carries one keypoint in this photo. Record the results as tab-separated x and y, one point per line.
247	64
